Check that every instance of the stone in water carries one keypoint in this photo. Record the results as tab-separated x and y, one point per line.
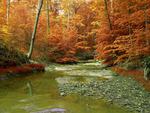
52	110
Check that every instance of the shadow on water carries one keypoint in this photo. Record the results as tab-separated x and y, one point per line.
15	97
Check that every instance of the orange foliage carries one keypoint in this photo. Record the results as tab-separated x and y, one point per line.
129	37
61	44
71	37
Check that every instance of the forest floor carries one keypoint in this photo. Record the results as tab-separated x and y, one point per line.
137	75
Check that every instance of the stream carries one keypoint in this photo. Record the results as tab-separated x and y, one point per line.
15	96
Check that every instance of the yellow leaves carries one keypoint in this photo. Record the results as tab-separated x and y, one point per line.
77	20
82	43
4	29
96	23
4	34
71	52
108	47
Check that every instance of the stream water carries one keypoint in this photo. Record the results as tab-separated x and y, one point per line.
15	97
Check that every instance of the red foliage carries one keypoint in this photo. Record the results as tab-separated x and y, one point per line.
66	60
24	69
36	67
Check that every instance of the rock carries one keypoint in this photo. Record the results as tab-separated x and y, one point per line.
62	94
120	90
53	110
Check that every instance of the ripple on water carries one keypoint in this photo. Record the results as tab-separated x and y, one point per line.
93	64
94	73
85	69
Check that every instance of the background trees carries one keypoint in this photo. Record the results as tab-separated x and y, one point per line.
128	39
71	30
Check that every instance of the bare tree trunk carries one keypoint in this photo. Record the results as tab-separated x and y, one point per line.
68	18
146	26
48	19
40	3
146	68
107	14
129	26
8	11
146	20
112	6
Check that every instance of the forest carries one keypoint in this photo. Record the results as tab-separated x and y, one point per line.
93	54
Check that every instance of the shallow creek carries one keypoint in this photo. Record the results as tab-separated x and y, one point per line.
15	97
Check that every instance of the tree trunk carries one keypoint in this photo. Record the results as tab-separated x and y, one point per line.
40	3
48	19
129	26
107	14
8	10
68	16
112	6
146	26
146	20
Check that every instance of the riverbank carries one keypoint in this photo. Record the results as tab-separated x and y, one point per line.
14	62
122	91
137	75
22	69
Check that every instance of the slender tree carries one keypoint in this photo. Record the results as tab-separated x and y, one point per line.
146	19
48	19
40	3
8	10
112	6
68	15
107	14
146	23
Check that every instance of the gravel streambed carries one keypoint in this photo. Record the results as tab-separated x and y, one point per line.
122	91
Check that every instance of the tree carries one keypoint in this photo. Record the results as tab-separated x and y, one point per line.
48	19
107	14
8	10
40	3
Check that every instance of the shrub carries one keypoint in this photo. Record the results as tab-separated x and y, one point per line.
146	63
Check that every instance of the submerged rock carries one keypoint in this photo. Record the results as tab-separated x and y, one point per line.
53	110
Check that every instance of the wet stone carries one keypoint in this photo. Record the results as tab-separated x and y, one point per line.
53	110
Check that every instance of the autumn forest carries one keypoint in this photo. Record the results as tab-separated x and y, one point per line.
55	37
